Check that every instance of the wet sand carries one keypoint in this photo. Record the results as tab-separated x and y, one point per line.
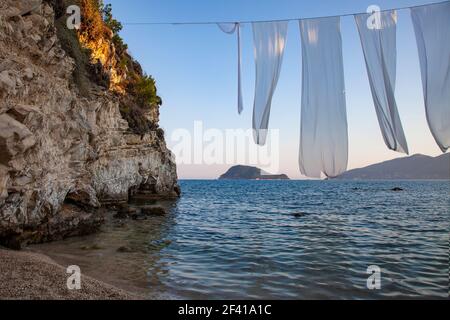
27	275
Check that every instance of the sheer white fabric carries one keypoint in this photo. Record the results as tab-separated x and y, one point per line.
380	52
323	134
231	28
432	28
269	39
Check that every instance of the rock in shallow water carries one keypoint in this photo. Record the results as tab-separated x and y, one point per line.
299	214
153	211
124	211
125	249
91	248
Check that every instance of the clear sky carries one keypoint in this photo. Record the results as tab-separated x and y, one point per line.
195	70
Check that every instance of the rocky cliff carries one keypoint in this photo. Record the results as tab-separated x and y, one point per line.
64	153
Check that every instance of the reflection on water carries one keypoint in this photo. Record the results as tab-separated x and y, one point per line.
277	239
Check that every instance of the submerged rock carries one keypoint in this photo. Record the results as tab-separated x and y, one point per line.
153	211
91	248
124	249
161	244
124	212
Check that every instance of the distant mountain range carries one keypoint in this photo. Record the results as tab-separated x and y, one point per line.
415	167
250	173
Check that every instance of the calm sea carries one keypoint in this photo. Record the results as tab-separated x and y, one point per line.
280	240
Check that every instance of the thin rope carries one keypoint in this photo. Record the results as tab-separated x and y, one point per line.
278	20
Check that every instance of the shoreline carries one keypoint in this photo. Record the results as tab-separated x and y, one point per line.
35	276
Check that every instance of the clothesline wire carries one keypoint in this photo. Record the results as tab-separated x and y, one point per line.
278	20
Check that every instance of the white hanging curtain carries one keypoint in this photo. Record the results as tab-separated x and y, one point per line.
378	39
269	39
323	136
432	28
231	28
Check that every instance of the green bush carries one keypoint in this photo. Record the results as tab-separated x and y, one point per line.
108	18
146	92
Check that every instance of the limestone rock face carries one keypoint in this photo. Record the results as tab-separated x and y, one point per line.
63	155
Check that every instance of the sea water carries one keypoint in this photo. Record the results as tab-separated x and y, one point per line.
278	240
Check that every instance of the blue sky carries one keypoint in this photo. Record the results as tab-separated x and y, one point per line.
195	70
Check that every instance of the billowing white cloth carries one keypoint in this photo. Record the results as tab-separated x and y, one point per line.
380	52
323	136
432	28
231	28
269	39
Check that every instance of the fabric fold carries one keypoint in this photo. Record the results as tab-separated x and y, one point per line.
269	40
432	29
323	133
379	43
231	28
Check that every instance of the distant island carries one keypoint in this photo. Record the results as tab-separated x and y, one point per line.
250	173
416	167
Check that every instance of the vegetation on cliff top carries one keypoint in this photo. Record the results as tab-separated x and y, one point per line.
101	57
